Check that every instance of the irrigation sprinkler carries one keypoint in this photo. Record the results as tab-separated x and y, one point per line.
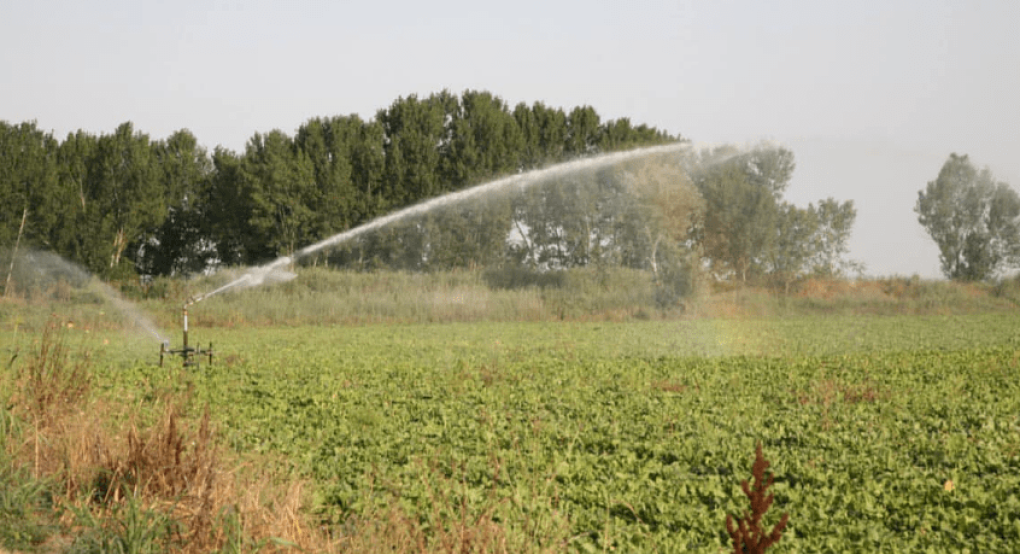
272	273
191	355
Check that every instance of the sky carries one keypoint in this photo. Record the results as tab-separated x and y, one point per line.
871	96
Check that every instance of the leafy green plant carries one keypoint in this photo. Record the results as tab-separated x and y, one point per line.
24	506
129	528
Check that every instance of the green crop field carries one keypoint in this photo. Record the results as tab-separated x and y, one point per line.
885	434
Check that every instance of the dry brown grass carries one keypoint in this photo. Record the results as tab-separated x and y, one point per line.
101	455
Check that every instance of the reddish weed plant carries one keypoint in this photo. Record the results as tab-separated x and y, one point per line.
749	537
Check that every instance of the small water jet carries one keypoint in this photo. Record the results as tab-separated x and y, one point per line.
270	273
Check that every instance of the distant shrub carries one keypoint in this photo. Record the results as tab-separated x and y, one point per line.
589	291
676	286
1008	288
516	277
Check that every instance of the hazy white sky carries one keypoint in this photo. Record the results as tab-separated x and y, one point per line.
871	96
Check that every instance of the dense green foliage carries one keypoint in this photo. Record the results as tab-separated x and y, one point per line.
122	203
886	434
974	220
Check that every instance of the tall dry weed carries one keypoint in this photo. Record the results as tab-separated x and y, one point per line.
51	382
105	464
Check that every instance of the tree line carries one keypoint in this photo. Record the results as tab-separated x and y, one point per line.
123	204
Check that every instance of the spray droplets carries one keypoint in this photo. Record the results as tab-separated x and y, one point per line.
45	268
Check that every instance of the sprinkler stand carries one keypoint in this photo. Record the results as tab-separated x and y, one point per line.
189	354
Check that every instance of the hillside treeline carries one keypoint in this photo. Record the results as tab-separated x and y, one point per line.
124	203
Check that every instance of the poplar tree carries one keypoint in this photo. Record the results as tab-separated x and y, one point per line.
415	134
327	144
280	182
974	220
29	196
742	208
181	245
121	202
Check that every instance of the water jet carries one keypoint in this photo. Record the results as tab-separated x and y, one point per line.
274	272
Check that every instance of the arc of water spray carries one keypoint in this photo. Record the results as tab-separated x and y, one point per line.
274	271
51	266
